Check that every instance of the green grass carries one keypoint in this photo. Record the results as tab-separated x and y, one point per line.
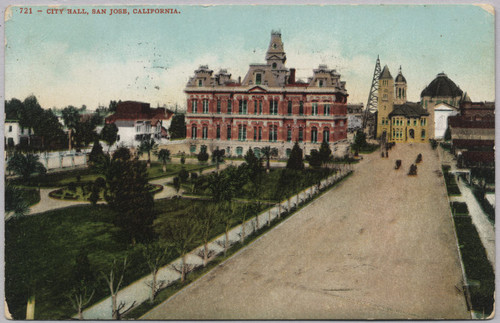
63	178
31	196
40	253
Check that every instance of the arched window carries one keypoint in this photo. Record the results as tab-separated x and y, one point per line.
274	66
301	134
412	134
399	94
194	132
314	134
217	134
289	134
326	135
422	135
205	132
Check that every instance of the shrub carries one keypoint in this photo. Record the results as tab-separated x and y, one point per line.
183	175
194	176
72	187
413	170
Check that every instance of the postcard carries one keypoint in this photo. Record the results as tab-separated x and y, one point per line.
307	162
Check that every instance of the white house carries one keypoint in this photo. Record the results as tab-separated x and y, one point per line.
14	134
137	121
441	113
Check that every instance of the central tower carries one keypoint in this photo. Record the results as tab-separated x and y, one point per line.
275	55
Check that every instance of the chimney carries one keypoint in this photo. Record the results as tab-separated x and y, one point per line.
291	79
239	79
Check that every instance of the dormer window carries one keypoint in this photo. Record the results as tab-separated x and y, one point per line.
200	83
258	78
320	83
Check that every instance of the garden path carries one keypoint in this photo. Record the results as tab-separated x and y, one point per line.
381	246
484	227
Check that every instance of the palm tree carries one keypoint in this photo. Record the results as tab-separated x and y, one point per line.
25	165
163	156
269	152
147	146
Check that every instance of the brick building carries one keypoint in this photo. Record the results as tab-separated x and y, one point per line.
269	107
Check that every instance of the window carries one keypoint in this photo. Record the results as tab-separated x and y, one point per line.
205	132
258	78
422	135
326	135
260	133
288	152
254	133
218	105
10	128
260	107
192	149
408	122
205	106
229	106
273	107
327	109
412	134
301	134
320	83
239	151
194	132
274	66
217	133
314	134
243	106
273	133
194	106
256	152
301	108
228	132
242	132
289	108
315	108
200	83
255	107
289	134
415	122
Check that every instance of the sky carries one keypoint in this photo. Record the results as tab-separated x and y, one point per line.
91	59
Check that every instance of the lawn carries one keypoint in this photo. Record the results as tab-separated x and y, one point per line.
63	178
41	251
268	184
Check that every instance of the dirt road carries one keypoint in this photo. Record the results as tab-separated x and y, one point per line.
381	245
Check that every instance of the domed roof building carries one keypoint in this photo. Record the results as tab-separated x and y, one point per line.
442	87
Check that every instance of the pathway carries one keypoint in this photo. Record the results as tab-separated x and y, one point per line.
380	246
485	228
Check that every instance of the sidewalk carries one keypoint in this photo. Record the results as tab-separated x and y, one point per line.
484	227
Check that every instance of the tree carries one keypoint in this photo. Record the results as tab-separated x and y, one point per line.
325	153
114	281
177	184
315	160
226	210
155	255
84	133
83	283
206	219
220	186
203	155
109	134
182	232
14	201
251	160
295	161
113	105
164	156
218	157
71	119
129	197
359	140
177	128
96	153
25	165
147	146
269	152
122	153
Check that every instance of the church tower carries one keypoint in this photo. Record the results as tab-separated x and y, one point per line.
385	103
400	88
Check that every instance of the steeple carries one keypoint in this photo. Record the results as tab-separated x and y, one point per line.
275	55
400	87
